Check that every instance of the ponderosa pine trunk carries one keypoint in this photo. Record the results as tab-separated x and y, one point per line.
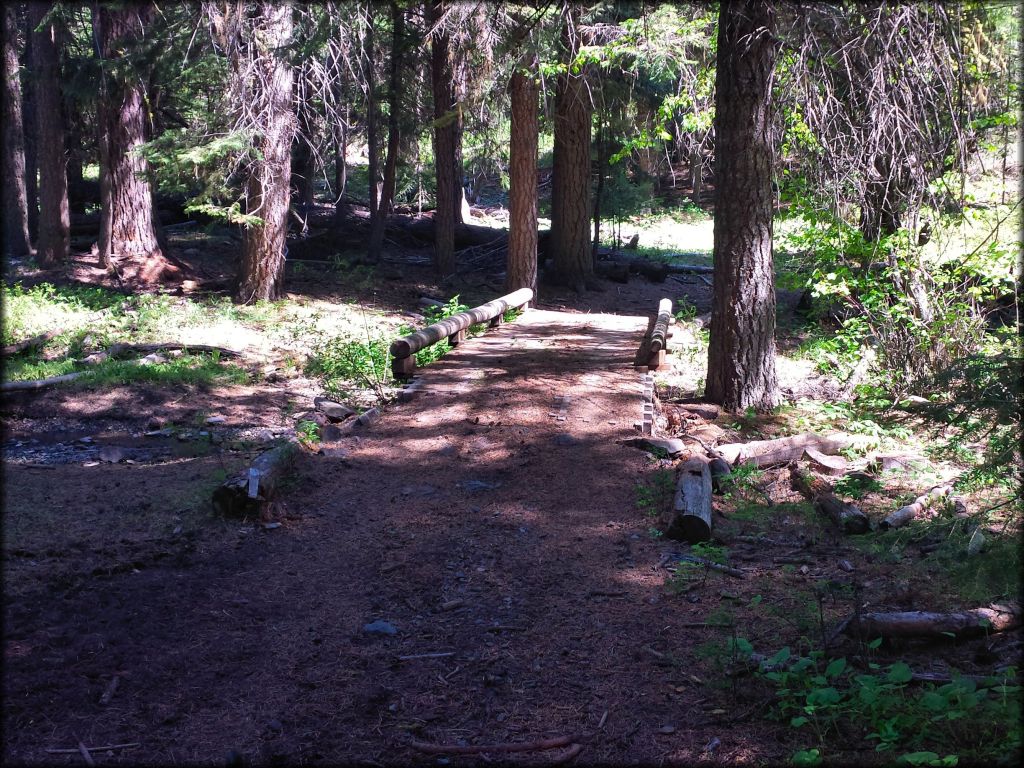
372	141
128	240
268	189
28	120
53	243
741	354
446	116
572	263
521	271
387	192
16	240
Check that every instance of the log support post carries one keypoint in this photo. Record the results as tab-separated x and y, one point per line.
657	359
403	367
496	321
457	338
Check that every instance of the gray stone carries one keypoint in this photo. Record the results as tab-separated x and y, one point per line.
332	410
330	433
111	454
478	486
380	628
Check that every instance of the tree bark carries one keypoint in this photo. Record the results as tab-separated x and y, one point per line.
268	192
372	142
128	230
741	354
28	116
446	118
521	271
16	241
54	241
570	188
387	192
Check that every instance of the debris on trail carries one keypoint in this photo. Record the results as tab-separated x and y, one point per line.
905	514
819	492
783	450
926	624
691	513
240	495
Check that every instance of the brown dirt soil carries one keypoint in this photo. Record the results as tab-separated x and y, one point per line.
492	520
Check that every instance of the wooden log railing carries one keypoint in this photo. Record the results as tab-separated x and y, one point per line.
403	350
659	335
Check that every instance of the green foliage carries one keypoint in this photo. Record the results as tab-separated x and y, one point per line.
345	362
308	432
654	496
977	721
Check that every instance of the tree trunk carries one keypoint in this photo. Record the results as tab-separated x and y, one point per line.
521	271
446	116
340	166
267	193
570	187
387	193
54	242
741	354
16	240
127	226
28	119
372	142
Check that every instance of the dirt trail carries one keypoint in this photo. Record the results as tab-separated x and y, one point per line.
490	522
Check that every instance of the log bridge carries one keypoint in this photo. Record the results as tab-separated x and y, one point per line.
403	350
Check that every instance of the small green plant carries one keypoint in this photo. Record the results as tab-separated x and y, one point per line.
857	486
686	311
308	432
654	496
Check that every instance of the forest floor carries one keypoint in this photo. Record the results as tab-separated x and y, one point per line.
473	569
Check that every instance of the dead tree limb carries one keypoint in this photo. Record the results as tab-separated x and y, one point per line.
819	492
691	510
472	749
782	450
35	341
926	624
905	514
22	386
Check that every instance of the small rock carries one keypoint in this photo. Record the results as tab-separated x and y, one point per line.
977	542
216	420
423	489
845	565
85	440
380	628
165	432
666	729
332	410
156	422
334	452
368	417
330	433
111	454
271	526
478	486
264	435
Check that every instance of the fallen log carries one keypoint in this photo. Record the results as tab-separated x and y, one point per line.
243	493
21	386
905	514
35	341
117	350
819	492
736	573
691	515
926	624
783	450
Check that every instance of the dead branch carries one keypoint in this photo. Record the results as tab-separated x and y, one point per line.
782	450
21	386
926	624
472	749
905	514
35	341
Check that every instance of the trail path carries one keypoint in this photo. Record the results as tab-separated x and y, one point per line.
490	521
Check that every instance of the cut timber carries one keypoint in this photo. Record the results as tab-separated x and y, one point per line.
236	498
830	465
763	453
691	519
670	446
904	515
925	624
846	516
